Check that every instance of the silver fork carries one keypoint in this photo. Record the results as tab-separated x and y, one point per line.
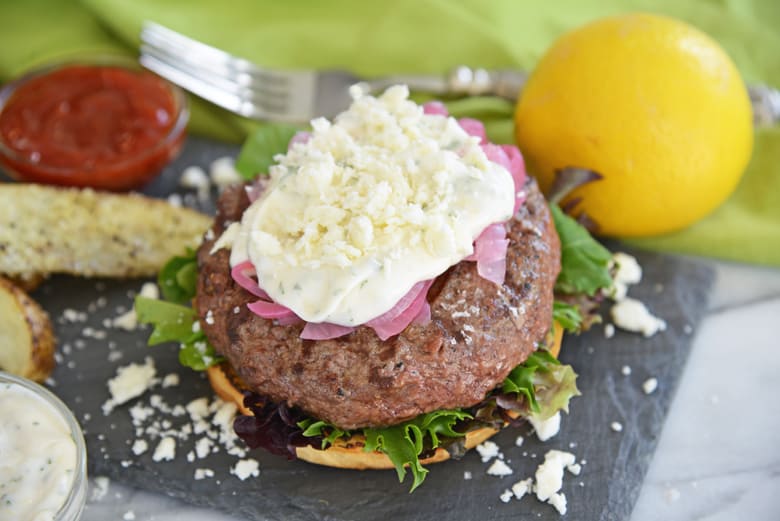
249	90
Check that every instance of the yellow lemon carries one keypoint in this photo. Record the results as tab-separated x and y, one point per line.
652	104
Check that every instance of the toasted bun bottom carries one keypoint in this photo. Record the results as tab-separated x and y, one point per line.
348	453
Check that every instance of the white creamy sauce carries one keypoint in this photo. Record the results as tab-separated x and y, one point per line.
376	201
37	456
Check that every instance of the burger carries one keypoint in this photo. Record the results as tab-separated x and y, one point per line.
391	295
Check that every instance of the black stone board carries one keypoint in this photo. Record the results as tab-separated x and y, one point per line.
674	288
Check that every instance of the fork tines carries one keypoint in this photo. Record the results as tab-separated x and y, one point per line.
231	82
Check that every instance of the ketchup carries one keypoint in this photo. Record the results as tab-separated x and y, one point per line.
106	127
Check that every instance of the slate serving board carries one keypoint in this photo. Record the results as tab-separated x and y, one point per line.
615	463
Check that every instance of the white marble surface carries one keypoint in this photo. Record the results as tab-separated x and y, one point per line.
718	456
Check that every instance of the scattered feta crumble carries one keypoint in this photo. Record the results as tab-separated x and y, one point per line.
195	177
139	447
650	385
506	496
522	487
150	290
632	315
467	475
519	441
625	370
487	450
499	468
203	474
616	426
549	478
609	330
246	468
129	515
546	429
627	271
170	380
130	382
165	450
223	173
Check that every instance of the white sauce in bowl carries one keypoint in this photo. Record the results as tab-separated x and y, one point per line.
38	456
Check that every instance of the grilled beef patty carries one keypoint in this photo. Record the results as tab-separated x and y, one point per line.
478	333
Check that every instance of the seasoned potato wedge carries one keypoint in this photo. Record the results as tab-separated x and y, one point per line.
26	337
82	232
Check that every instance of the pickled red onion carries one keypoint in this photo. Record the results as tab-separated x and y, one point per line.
435	107
403	313
242	274
474	127
324	331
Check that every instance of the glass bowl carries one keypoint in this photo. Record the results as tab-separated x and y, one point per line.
72	507
103	123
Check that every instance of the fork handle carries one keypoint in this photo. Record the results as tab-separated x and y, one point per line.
461	81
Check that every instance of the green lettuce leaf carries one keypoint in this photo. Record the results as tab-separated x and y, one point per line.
404	443
174	323
584	262
568	316
261	146
178	279
198	354
545	383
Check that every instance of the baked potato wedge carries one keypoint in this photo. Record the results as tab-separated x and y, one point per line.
92	234
26	336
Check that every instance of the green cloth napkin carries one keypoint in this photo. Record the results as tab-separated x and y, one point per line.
425	36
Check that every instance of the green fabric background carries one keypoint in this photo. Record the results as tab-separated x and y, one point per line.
375	38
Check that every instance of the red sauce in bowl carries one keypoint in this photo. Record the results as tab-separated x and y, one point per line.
104	126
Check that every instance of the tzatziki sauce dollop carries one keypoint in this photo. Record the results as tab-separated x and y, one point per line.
39	460
379	199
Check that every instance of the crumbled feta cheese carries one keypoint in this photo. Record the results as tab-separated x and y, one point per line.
519	441
139	447
487	450
574	468
170	380
466	475
165	450
609	330
223	172
506	496
203	447
130	382
549	476
616	426
628	271
129	515
558	500
203	474
632	315
127	320
195	177
546	429
245	469
522	487
650	385
499	468
150	290
210	317
175	200
626	370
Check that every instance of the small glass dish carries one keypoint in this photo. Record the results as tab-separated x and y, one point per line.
73	505
103	123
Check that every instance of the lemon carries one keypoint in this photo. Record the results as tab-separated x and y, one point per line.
652	104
